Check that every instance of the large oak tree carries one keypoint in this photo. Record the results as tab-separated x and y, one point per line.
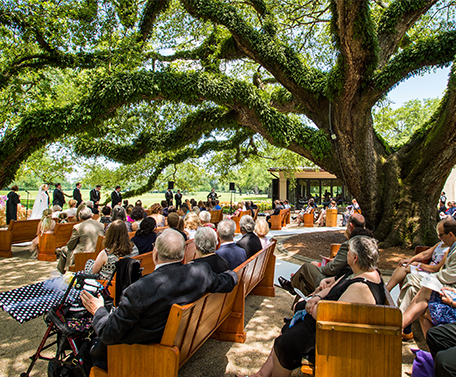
305	75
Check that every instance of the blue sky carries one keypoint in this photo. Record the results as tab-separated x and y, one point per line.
431	85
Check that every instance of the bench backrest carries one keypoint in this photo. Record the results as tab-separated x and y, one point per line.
190	251
358	340
23	230
255	213
216	216
62	233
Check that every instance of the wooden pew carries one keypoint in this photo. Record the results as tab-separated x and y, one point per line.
48	242
17	232
357	340
236	219
216	315
331	217
309	219
216	216
286	217
255	214
190	251
277	221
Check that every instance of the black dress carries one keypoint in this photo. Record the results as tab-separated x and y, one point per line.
299	341
145	243
12	200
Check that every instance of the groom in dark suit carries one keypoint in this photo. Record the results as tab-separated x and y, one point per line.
116	197
58	199
144	306
77	194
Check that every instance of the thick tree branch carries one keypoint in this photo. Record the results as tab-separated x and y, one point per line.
108	94
438	51
396	20
151	11
282	62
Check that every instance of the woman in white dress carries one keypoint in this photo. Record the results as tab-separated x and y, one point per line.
41	202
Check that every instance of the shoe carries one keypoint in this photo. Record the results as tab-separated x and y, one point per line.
407	337
286	284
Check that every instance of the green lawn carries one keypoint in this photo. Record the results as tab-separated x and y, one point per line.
147	199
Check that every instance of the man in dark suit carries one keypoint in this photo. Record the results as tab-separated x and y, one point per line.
249	241
178	198
77	194
58	199
95	198
144	306
116	197
169	197
234	254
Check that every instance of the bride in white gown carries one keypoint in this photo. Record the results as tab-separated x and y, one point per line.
41	202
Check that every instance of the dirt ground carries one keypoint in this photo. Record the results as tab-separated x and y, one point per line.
311	245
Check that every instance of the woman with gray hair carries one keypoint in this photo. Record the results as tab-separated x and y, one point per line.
364	286
118	213
206	243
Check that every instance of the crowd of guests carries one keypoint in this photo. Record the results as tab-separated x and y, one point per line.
352	276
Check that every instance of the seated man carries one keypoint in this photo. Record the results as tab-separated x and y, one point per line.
229	251
84	238
173	222
277	208
308	277
144	306
413	307
249	241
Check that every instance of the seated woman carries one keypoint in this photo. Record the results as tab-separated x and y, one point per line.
191	224
145	236
137	215
116	244
364	286
205	219
436	253
118	213
237	212
72	210
128	210
106	215
206	243
321	219
201	206
311	206
156	211
47	224
261	230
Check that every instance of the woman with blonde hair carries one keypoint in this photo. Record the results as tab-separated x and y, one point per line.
261	230
156	212
47	224
116	244
191	224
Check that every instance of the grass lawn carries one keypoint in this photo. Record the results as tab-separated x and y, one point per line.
147	199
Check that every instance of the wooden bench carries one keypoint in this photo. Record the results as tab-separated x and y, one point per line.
17	232
357	340
309	219
216	315
255	214
48	242
331	217
236	219
277	221
216	216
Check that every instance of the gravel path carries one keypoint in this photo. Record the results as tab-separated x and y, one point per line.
263	318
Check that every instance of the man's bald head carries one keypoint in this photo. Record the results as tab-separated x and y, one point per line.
356	221
170	246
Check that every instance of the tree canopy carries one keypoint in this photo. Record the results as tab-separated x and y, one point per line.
170	81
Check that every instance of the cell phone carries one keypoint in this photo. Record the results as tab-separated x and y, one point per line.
450	294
